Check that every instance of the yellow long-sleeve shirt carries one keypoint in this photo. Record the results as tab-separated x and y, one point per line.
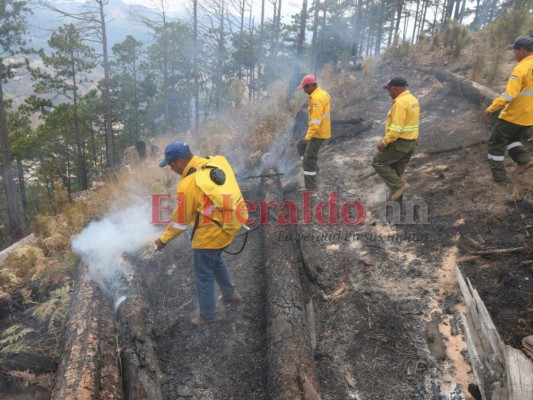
518	96
319	124
190	202
403	118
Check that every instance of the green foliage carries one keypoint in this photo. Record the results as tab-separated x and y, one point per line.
53	311
401	51
12	339
455	38
8	277
12	29
71	261
41	226
61	197
236	92
512	23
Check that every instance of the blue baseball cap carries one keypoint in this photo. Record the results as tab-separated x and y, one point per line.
174	151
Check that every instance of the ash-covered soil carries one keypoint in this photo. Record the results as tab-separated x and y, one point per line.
226	359
384	291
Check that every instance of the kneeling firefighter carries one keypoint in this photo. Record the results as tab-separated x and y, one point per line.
210	200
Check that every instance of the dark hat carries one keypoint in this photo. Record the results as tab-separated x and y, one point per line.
397	81
174	151
523	42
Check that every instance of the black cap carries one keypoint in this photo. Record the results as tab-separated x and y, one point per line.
397	81
523	42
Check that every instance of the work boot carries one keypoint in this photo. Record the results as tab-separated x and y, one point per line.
490	178
520	169
200	321
236	298
399	193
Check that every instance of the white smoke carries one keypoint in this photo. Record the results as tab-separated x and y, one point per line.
102	243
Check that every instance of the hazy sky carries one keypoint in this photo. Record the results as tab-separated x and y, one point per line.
288	8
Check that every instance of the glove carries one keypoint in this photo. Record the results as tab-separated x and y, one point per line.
159	245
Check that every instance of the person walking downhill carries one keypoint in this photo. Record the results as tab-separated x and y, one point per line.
209	236
516	116
401	131
318	131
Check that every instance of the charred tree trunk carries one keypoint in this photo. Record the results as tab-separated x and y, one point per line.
89	368
139	361
292	372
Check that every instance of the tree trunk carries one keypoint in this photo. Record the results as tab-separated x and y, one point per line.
261	44
416	22
22	185
196	88
301	38
314	38
89	368
220	65
423	21
9	182
356	30
110	142
139	359
399	8
292	373
80	154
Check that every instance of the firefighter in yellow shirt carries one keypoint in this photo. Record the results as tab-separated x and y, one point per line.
318	131
209	237
516	116
401	131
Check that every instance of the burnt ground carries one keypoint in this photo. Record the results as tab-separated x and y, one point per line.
227	358
380	283
384	291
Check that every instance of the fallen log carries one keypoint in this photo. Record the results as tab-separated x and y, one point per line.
456	148
343	132
26	241
465	87
349	121
500	251
292	374
501	371
89	368
142	374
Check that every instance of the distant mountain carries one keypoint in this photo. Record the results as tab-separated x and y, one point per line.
120	23
42	22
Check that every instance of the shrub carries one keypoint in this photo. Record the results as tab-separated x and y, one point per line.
456	37
22	262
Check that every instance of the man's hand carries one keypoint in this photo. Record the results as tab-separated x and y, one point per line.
304	140
381	146
159	245
486	114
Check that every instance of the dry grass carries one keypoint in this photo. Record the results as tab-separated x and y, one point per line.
46	381
22	262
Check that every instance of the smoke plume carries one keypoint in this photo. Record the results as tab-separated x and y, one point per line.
102	243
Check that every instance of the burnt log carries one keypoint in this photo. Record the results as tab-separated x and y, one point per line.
345	131
140	367
501	371
89	367
463	86
292	374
